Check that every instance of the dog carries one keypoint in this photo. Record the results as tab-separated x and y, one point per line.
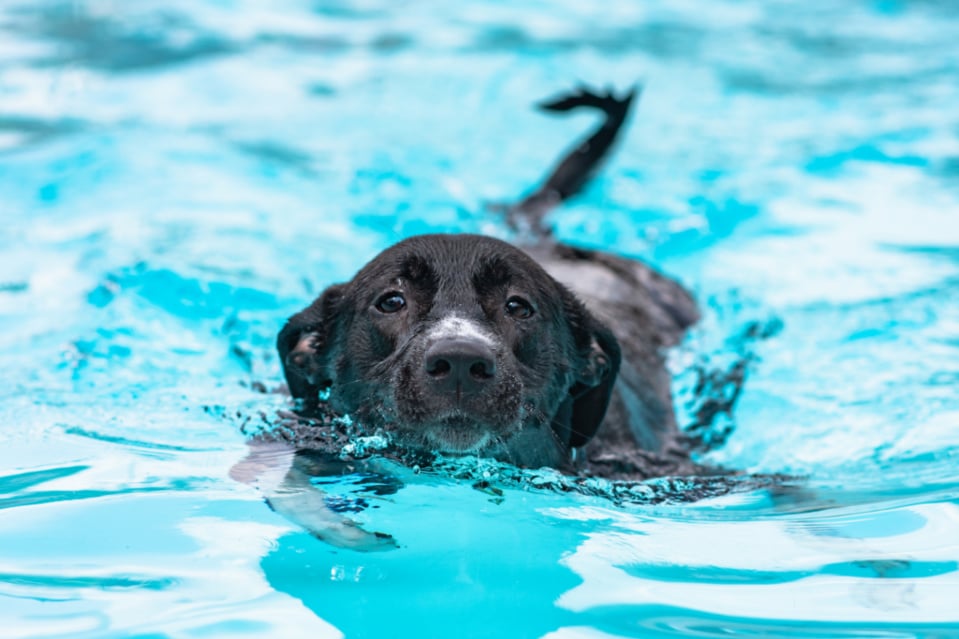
537	353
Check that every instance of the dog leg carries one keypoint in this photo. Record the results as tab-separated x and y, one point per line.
273	469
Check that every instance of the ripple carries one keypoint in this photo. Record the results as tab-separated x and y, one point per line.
127	442
60	581
869	569
665	621
28	131
179	295
20	481
109	44
40	497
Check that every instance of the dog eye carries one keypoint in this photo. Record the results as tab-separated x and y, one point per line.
391	303
519	308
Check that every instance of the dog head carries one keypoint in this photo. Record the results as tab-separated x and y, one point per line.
456	343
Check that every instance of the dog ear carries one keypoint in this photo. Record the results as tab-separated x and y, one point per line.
596	362
304	345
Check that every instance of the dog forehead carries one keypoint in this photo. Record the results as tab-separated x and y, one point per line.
455	261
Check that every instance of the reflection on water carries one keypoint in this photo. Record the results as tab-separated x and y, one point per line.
178	177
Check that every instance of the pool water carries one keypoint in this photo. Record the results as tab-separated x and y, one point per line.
177	177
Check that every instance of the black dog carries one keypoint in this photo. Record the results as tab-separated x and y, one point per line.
545	355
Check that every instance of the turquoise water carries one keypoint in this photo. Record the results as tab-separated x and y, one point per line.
178	177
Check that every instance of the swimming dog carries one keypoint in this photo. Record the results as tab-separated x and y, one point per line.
537	353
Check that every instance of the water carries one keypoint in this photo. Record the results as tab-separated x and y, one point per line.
178	177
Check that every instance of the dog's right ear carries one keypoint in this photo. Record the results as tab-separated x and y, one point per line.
305	343
595	360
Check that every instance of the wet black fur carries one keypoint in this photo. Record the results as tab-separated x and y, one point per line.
580	386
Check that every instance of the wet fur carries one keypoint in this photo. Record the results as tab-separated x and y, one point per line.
586	392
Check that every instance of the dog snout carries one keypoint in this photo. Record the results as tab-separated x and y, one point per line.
460	365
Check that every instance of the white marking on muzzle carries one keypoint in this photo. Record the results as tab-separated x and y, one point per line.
454	326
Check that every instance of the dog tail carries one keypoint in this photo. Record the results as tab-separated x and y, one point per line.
578	166
583	96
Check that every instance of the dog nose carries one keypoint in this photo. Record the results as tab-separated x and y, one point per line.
460	364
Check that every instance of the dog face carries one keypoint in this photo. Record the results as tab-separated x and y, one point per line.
456	343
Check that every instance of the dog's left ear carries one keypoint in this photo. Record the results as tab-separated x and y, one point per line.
596	363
